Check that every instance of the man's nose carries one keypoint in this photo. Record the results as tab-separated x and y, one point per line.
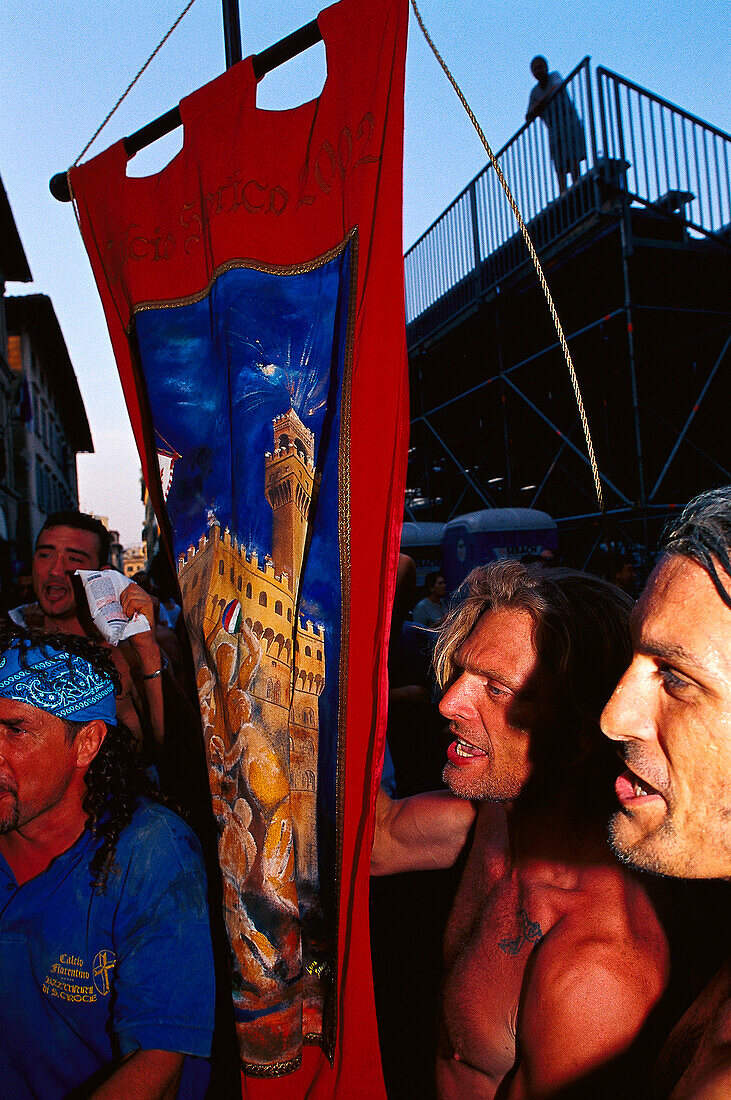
626	716
455	701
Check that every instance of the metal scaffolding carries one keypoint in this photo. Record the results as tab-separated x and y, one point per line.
638	253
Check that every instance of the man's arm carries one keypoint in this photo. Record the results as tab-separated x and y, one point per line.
423	833
708	1075
583	1004
148	656
144	1075
713	1084
163	979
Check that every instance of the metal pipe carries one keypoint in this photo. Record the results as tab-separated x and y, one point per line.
693	411
485	500
561	435
262	63
524	362
231	32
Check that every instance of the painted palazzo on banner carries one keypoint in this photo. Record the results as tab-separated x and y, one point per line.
260	672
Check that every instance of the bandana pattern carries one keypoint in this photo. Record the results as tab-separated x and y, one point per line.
60	683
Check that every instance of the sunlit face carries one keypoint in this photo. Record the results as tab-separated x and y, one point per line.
495	705
671	713
59	552
37	764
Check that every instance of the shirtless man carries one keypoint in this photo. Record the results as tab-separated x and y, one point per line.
671	714
553	954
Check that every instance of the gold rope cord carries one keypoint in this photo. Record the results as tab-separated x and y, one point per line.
121	99
132	83
533	256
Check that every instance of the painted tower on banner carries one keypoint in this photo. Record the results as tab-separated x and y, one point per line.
289	478
290	675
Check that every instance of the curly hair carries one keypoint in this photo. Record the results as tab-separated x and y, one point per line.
115	780
581	635
702	532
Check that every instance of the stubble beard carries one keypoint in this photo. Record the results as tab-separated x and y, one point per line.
634	854
482	790
9	818
58	616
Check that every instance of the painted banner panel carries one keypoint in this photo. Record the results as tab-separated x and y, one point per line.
254	295
258	543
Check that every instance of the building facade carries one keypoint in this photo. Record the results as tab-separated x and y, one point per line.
13	268
135	559
50	427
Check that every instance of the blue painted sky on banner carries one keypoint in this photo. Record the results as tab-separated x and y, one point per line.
218	372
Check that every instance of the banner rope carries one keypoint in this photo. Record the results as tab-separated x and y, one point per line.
130	86
534	257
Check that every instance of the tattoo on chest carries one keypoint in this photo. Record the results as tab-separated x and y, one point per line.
529	932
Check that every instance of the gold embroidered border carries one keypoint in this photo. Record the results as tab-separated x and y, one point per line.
272	1069
254	265
331	1007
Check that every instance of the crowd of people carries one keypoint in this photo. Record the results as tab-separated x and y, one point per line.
572	965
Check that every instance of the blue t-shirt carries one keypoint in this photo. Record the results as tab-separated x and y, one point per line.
88	978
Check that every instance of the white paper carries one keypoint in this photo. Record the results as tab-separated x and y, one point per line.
103	588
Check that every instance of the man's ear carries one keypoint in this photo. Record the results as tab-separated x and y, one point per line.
88	741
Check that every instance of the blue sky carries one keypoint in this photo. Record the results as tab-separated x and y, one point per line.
64	66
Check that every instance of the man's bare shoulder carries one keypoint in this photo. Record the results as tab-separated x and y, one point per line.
595	976
608	920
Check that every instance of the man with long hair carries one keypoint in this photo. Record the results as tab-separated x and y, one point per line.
671	715
553	955
105	950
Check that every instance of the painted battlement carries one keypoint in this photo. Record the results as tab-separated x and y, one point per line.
309	656
245	558
308	629
291	420
284	452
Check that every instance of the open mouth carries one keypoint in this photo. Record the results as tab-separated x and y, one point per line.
461	752
54	592
633	789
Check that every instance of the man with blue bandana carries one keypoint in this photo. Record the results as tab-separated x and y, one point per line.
105	952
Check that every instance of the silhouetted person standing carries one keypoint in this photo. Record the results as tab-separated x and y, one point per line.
553	104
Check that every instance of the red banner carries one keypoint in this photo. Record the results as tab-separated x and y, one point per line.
254	296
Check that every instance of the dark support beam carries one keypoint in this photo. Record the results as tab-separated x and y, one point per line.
688	422
485	500
693	446
567	441
231	32
263	63
547	474
522	363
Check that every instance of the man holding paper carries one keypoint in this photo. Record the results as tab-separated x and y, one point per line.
74	540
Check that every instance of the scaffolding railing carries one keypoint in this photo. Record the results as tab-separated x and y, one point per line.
674	160
479	222
655	152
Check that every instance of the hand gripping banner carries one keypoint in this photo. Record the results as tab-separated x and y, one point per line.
254	295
